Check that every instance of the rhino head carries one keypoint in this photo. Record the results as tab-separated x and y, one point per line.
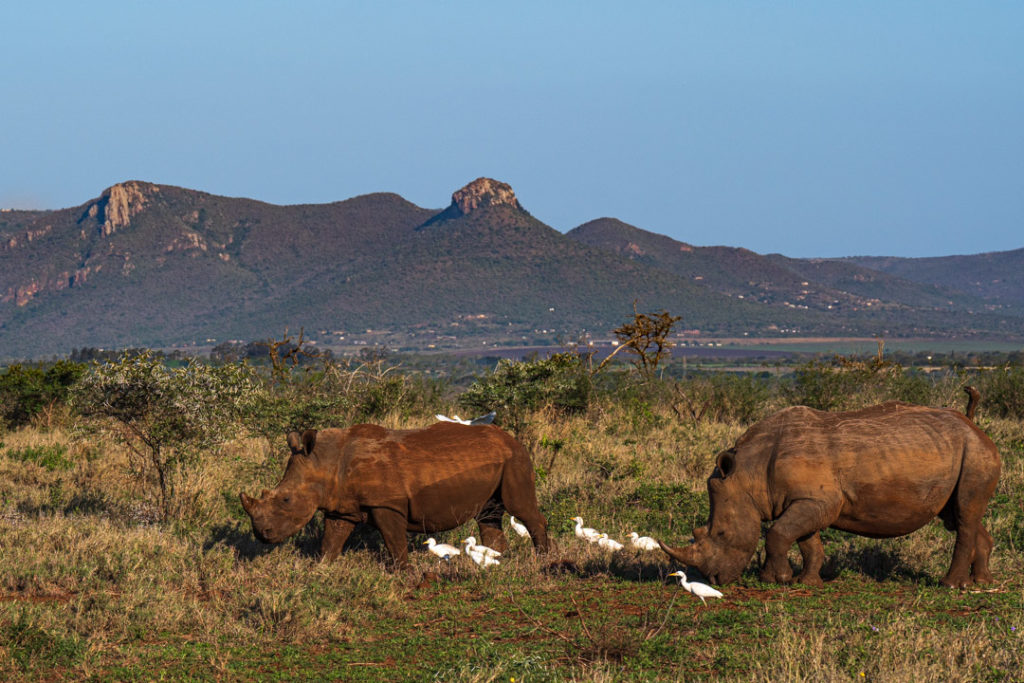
723	548
278	514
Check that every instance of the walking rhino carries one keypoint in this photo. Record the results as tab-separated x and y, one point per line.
419	480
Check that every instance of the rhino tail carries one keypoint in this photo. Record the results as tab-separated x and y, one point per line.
974	398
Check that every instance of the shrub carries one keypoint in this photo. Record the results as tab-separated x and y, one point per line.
722	397
27	391
335	394
166	417
515	388
1002	391
846	383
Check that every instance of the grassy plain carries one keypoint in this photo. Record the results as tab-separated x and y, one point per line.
93	587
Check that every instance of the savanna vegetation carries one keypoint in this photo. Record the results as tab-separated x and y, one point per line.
125	553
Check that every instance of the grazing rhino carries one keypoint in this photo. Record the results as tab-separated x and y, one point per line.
881	472
419	480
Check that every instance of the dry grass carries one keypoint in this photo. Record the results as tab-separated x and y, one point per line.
92	586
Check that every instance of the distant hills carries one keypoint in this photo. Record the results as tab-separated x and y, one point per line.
156	265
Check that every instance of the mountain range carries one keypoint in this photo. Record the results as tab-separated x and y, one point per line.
157	265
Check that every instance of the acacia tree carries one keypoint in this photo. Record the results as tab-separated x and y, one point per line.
646	338
166	417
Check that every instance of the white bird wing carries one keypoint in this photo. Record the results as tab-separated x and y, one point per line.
442	549
484	419
480	558
455	418
518	527
488	552
646	543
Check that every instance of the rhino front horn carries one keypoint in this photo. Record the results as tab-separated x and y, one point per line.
247	502
682	555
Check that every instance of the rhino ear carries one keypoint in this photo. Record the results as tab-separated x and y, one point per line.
295	442
726	462
308	440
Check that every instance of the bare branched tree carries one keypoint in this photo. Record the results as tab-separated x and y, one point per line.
646	337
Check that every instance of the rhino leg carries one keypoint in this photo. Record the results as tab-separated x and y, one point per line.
489	521
973	544
519	497
801	520
336	532
982	550
813	553
392	526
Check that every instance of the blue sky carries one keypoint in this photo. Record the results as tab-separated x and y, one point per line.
806	128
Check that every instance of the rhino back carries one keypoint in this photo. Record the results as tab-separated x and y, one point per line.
890	467
439	476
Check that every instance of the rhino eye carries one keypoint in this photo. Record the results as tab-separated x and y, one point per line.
286	499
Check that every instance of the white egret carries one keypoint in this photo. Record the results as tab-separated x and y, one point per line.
480	558
518	527
482	420
643	542
471	545
608	543
586	533
442	550
701	590
454	418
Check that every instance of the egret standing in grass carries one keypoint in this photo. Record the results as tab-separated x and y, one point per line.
586	533
518	527
471	545
442	550
701	590
608	543
643	542
480	554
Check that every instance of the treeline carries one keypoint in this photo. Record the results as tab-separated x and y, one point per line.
170	416
305	388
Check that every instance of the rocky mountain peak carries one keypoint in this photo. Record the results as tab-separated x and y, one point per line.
484	192
119	203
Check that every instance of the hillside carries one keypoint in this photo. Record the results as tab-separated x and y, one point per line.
853	295
996	276
146	264
160	265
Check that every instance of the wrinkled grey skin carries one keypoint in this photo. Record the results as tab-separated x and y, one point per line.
880	472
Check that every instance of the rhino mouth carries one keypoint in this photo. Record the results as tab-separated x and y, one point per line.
266	536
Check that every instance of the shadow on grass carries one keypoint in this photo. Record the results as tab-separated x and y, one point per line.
622	565
878	563
239	536
875	562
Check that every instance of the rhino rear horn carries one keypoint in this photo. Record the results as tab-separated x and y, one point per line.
302	443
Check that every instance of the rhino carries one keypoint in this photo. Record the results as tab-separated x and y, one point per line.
880	472
401	481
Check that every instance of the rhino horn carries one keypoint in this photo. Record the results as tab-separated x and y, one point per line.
683	555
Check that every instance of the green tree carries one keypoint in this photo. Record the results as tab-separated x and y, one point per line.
166	417
26	391
515	388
